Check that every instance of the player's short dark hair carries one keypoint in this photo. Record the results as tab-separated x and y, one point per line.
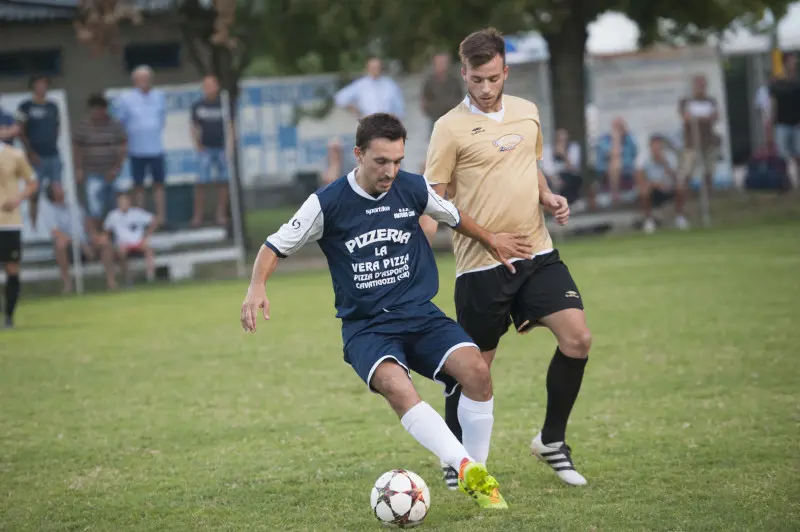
480	47
379	126
97	100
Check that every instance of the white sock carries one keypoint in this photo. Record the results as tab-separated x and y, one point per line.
476	421
429	429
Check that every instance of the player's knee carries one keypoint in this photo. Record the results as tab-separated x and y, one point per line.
391	380
477	380
577	343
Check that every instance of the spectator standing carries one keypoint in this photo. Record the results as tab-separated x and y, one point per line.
615	160
92	243
40	122
785	94
700	142
100	147
442	89
211	140
143	112
372	93
130	228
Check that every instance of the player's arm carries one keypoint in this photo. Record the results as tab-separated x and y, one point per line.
555	204
439	166
194	128
22	121
502	246
24	173
305	226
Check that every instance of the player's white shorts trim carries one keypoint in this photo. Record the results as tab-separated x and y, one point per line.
378	363
484	268
444	359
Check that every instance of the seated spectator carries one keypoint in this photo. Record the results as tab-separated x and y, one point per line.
564	162
92	243
658	183
615	161
130	229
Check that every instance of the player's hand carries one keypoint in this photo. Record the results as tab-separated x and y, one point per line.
558	206
507	246
255	299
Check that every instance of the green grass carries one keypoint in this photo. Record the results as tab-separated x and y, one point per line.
152	410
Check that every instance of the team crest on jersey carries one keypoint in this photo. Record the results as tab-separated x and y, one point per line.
508	142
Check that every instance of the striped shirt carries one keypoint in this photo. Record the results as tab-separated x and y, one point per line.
99	144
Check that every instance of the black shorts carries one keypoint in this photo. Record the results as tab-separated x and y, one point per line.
10	246
488	301
659	197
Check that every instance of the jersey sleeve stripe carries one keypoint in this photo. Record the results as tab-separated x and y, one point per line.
272	246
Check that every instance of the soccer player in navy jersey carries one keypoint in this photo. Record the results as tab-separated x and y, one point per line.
384	277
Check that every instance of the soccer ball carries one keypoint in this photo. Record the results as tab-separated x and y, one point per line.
400	498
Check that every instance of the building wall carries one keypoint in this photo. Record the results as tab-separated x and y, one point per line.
83	73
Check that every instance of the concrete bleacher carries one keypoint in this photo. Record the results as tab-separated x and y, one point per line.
177	253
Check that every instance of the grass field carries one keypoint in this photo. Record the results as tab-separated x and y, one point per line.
151	410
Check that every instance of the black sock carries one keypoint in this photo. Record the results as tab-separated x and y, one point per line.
12	294
451	412
564	377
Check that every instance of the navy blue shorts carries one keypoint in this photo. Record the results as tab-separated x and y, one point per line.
421	344
140	166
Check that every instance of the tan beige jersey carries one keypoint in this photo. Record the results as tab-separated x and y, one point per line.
489	162
14	168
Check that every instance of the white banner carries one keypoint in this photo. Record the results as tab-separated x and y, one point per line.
42	233
644	89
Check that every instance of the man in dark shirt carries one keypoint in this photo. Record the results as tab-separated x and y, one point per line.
785	95
442	90
210	134
40	121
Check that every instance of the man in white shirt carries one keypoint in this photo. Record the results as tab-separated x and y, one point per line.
130	228
92	243
373	93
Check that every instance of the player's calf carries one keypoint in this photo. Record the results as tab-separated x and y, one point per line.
476	405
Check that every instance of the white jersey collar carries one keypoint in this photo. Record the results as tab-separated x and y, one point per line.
351	180
497	115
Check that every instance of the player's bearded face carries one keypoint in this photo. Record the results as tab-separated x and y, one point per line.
379	164
485	83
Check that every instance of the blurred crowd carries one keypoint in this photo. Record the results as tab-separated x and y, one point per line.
130	129
651	175
114	221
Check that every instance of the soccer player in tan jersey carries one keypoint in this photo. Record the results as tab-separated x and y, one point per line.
483	156
14	168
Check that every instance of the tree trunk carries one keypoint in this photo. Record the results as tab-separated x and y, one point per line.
568	82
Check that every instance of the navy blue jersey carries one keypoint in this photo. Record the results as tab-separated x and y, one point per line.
379	258
42	122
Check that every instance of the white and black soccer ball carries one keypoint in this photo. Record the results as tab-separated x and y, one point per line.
400	498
